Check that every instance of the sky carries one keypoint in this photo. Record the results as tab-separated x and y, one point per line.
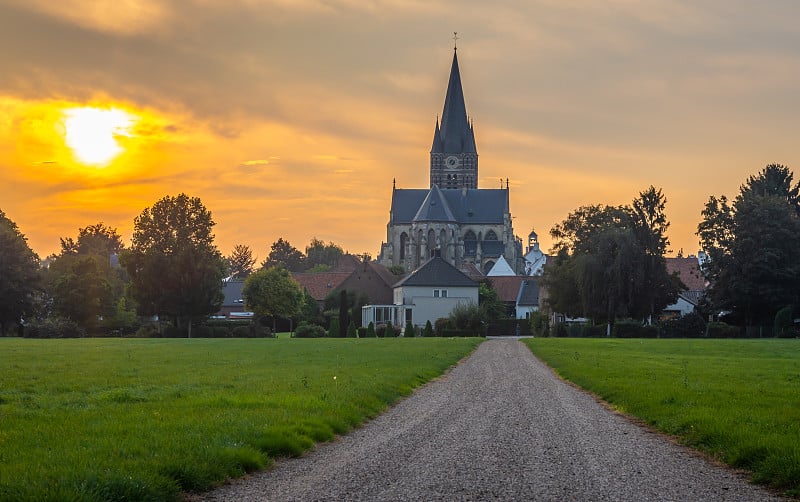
292	118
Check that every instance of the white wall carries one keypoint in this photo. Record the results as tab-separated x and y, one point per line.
429	308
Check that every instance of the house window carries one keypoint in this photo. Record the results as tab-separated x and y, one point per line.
440	293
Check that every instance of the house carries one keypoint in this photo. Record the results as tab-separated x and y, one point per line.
427	294
233	306
527	299
688	270
507	288
320	285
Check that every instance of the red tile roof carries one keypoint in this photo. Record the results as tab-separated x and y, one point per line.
322	284
507	287
688	270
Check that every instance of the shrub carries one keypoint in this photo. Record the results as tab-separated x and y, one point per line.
629	328
390	330
371	330
333	329
361	331
308	330
467	317
410	331
428	331
539	324
222	332
722	330
783	323
688	326
53	327
441	325
351	330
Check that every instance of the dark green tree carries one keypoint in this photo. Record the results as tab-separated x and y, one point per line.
273	292
492	308
176	270
752	245
351	330
19	275
240	261
320	254
283	254
309	311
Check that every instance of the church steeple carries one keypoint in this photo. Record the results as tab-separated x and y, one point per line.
454	155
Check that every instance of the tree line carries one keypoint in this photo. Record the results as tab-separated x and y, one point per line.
609	261
172	271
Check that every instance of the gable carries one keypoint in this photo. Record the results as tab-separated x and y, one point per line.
437	272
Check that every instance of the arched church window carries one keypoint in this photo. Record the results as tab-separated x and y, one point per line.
470	243
487	267
491	236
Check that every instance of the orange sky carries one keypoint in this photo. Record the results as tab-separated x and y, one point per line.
291	118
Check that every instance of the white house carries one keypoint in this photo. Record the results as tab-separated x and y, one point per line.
427	294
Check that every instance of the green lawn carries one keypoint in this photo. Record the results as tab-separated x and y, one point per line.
135	419
738	400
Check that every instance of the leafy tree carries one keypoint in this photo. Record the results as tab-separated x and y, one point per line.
98	239
81	283
19	275
754	265
273	292
319	253
241	261
309	310
283	254
176	270
492	308
610	263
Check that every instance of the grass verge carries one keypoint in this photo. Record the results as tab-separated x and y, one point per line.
126	419
738	400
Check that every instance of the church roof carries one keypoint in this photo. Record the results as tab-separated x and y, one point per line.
434	207
455	134
474	205
437	272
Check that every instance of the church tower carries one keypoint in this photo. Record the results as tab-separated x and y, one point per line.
454	157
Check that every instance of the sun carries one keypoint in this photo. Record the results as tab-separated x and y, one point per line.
92	133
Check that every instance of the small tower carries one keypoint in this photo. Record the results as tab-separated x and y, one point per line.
533	242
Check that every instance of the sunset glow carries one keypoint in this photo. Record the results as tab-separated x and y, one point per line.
93	134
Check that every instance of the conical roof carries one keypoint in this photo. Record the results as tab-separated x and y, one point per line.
455	134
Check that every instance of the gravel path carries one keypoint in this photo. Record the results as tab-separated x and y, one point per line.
499	426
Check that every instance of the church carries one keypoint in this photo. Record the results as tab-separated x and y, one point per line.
453	218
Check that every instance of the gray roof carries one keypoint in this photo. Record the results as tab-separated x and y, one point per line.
437	272
232	290
434	207
455	134
528	293
475	205
492	248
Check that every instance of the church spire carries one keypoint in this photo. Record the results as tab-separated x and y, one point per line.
455	133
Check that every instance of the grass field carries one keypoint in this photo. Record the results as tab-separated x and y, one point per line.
738	400
125	419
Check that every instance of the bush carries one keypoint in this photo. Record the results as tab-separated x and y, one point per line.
689	326
633	329
252	330
371	330
307	330
722	330
441	325
390	330
428	331
333	329
467	317
362	332
53	327
351	330
508	327
539	324
410	331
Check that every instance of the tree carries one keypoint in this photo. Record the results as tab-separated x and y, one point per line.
241	261
492	308
81	282
283	254
753	265
610	262
273	292
19	275
176	270
309	311
319	253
